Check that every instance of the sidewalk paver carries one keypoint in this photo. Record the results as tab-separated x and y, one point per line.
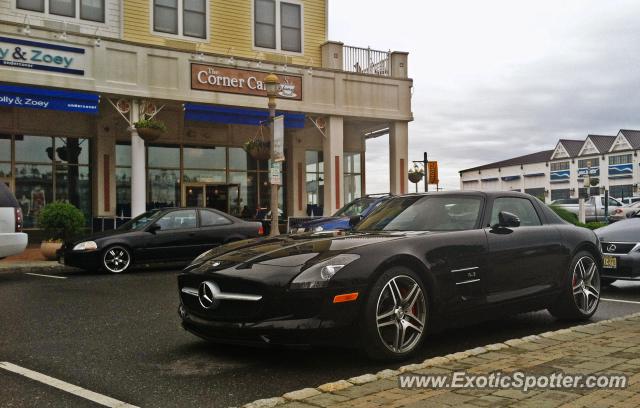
606	347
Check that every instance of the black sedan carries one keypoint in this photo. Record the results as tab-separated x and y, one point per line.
162	235
621	248
416	263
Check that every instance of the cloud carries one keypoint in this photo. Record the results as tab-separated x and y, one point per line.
498	79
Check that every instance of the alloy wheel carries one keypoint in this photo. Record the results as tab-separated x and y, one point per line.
586	284
116	259
401	314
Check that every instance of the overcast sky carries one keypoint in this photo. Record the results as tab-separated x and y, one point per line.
498	79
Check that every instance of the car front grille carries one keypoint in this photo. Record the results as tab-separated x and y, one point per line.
617	247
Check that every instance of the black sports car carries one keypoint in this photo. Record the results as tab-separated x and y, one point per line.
162	235
417	262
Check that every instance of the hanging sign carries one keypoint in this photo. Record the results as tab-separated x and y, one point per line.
278	138
275	175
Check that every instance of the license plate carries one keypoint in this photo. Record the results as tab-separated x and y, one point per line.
610	262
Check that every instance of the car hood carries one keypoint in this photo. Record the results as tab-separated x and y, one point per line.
627	230
97	236
290	251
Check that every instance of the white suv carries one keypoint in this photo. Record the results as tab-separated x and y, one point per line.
12	240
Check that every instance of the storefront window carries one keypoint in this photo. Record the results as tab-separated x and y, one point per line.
352	177
245	205
315	181
5	159
162	156
164	188
39	179
205	176
205	158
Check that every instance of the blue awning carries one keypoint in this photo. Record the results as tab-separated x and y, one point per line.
510	178
42	98
238	116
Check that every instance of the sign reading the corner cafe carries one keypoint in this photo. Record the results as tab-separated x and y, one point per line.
241	81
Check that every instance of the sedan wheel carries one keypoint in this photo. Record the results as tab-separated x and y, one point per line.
397	314
116	259
581	295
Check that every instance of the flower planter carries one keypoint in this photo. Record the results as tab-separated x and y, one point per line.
49	250
260	152
149	134
415	177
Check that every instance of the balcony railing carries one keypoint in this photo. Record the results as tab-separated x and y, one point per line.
366	61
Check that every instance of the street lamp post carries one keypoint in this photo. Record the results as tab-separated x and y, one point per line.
271	83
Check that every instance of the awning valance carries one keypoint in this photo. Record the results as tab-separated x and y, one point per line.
237	116
510	178
53	99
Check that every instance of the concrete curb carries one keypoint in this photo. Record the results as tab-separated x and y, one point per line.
35	267
329	388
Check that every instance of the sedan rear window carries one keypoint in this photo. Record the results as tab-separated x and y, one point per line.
419	213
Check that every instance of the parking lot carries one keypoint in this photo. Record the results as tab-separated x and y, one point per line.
120	337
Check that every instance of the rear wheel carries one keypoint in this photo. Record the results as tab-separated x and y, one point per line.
581	295
116	259
396	315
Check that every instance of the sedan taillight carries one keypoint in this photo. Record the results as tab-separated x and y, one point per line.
260	230
18	218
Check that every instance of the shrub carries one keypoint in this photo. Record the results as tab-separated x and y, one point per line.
566	215
572	218
61	221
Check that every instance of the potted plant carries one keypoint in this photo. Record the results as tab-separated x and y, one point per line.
416	174
257	148
61	222
150	129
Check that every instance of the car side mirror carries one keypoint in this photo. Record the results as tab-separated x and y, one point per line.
355	220
508	220
153	228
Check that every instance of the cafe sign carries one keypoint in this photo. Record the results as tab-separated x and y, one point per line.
241	81
26	54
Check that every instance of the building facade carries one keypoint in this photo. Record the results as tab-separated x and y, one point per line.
605	162
75	75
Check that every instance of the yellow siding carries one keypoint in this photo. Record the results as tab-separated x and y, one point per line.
230	30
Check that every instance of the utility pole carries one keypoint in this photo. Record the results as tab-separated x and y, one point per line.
426	173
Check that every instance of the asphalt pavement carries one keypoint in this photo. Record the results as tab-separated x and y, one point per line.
120	337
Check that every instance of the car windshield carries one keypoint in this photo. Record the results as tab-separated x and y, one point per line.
356	207
420	213
140	222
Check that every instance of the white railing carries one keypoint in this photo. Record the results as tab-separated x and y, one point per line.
366	61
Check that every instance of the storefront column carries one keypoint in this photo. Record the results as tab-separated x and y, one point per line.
103	167
398	156
332	150
138	160
297	199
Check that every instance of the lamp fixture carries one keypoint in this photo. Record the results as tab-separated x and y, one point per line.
26	30
97	42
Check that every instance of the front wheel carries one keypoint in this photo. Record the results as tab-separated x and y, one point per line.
396	315
581	293
116	259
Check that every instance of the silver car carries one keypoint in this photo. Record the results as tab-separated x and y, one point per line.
620	244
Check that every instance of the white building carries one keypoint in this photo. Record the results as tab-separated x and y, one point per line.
612	162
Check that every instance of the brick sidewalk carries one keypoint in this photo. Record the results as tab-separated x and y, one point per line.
607	347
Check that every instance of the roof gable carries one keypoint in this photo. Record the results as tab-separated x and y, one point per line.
620	143
588	148
560	152
632	136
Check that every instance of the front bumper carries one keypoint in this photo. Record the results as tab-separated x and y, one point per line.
281	316
89	260
628	267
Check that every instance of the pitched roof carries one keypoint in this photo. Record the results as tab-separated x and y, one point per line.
601	142
633	136
572	147
537	157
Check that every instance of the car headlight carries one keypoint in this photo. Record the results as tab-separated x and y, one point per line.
86	246
318	275
319	228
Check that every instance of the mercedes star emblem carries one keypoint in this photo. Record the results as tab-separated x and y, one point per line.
207	295
611	248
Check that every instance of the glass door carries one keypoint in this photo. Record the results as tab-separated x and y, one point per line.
194	195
